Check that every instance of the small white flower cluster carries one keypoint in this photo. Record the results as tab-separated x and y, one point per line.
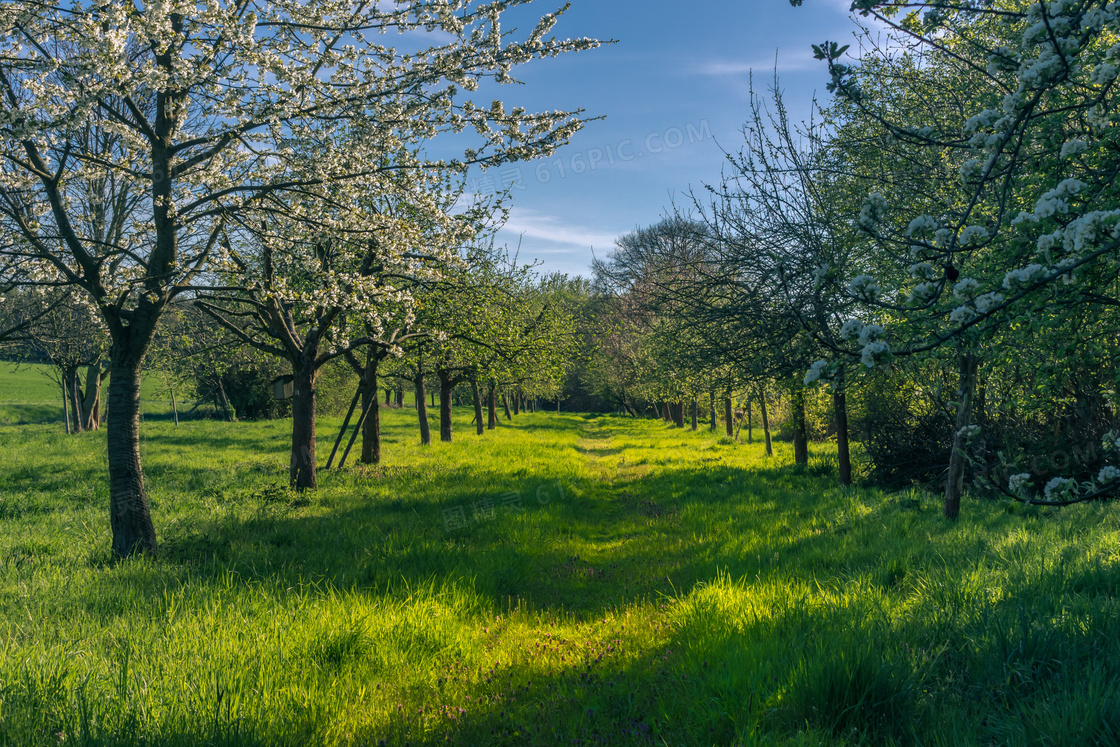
870	333
875	352
987	301
1024	275
872	212
1073	148
815	372
922	225
1060	488
965	288
972	235
850	329
923	293
1053	202
922	271
1108	474
969	432
962	314
1018	482
864	287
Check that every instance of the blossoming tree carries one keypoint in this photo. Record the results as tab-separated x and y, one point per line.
197	108
1032	231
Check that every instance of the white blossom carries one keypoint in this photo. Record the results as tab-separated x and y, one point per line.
872	212
924	292
850	329
874	352
1059	488
973	235
923	271
921	225
1018	482
870	333
987	301
815	371
962	314
1073	148
1023	275
966	288
1108	474
864	287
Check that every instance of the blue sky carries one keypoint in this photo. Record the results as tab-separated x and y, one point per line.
673	90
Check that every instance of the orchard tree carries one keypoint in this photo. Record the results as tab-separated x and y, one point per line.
184	113
1036	234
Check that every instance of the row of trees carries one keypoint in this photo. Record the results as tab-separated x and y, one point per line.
941	242
266	162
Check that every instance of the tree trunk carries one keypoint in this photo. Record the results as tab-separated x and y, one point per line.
800	434
231	416
678	414
750	422
433	395
695	413
712	405
302	472
73	396
400	397
517	403
65	405
129	514
422	411
388	397
843	453
505	404
445	387
174	407
966	392
371	426
478	426
91	403
765	423
492	408
665	413
728	417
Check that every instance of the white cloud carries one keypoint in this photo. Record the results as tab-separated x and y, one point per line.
535	225
787	62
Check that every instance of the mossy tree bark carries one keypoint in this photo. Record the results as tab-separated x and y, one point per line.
371	426
129	513
302	470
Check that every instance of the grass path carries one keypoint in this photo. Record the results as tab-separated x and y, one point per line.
611	582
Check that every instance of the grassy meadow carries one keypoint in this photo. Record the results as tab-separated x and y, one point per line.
565	580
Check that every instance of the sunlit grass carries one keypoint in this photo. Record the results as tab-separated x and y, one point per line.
616	582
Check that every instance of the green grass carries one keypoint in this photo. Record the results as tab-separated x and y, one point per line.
656	587
28	395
